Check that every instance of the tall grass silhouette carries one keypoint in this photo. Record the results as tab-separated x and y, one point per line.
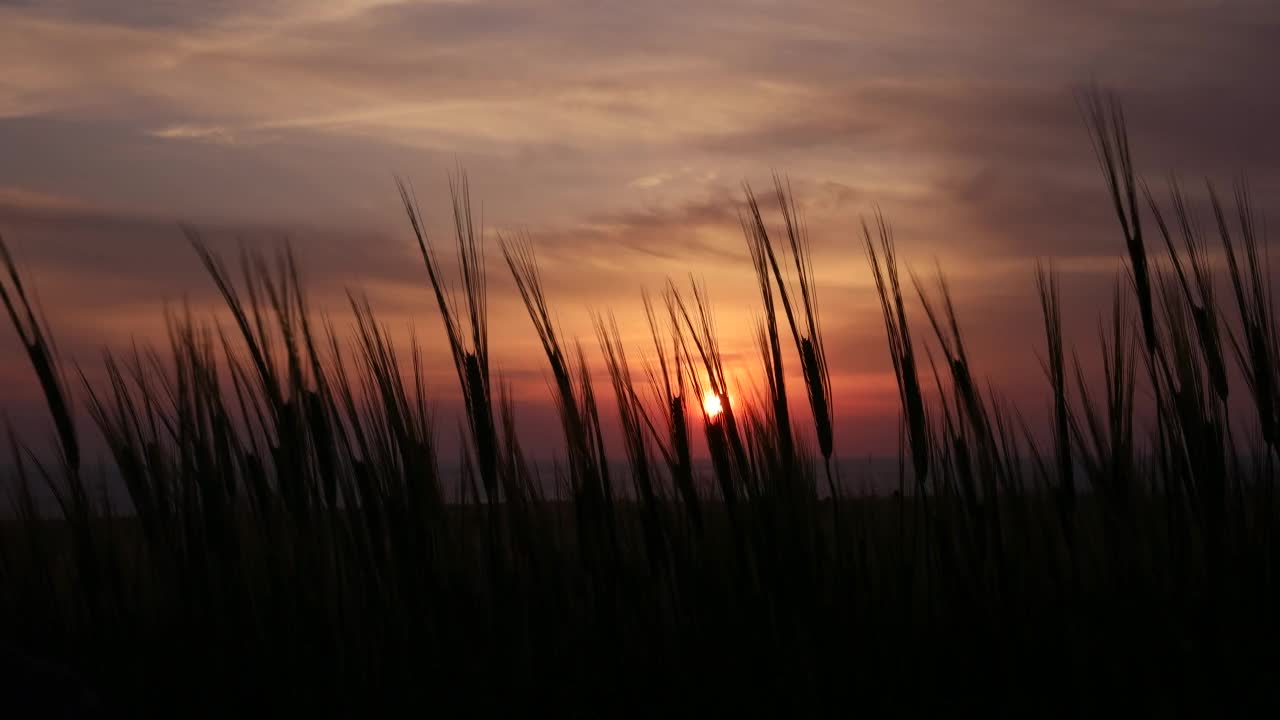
292	545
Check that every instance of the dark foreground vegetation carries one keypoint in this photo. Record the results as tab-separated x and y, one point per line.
291	544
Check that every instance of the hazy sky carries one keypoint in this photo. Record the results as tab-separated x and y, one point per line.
618	135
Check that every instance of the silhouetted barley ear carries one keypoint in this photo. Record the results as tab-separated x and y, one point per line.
969	403
901	350
471	360
721	460
324	441
818	395
805	329
1105	119
1198	291
520	487
758	243
524	269
248	318
480	408
119	419
579	417
974	437
683	459
1105	436
1055	369
591	419
36	342
629	410
707	344
1257	350
667	386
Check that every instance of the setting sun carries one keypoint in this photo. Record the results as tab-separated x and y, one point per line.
712	405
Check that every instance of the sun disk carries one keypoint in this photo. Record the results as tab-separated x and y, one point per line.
712	404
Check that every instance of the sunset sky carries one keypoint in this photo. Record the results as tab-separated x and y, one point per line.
617	134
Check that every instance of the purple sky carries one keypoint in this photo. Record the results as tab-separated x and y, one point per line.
617	135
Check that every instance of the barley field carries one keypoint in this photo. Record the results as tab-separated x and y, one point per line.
291	545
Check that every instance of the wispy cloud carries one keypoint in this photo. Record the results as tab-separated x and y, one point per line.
203	133
18	199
